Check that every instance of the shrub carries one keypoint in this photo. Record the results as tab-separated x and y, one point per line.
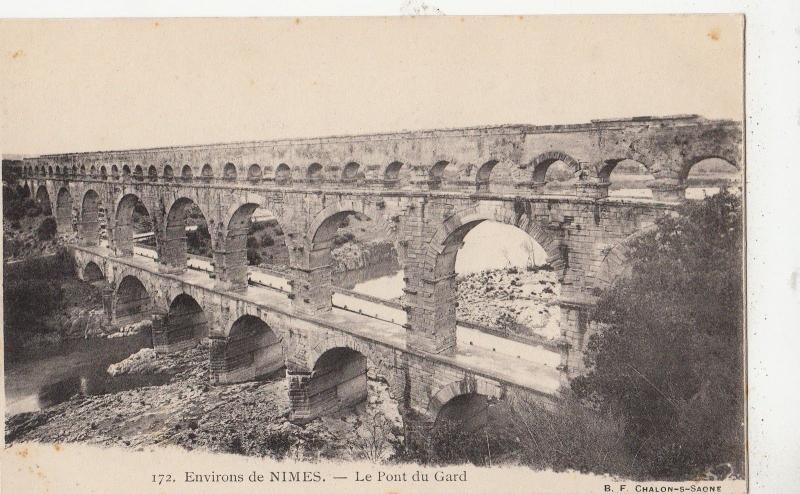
47	229
668	355
343	237
253	257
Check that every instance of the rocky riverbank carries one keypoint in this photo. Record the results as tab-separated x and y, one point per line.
516	300
250	418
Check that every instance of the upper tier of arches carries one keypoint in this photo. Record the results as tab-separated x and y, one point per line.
488	159
483	175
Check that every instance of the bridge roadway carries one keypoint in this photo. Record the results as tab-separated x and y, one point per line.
474	365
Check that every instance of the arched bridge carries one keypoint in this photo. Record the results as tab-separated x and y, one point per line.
427	189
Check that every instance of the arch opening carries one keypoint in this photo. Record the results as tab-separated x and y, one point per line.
186	232
266	242
557	175
114	171
505	282
471	427
499	279
152	173
169	173
283	173
351	172
138	173
709	176
338	381
89	226
64	211
43	198
397	174
132	302
254	173
627	178
351	250
252	238
126	171
185	325
484	175
133	224
229	172
187	173
92	273
440	174
103	173
207	172
314	172
251	350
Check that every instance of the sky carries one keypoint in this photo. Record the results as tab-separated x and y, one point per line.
84	85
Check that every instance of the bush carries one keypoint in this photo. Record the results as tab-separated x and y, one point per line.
342	238
47	229
257	227
252	243
253	257
669	356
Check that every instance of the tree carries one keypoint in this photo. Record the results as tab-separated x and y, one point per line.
668	355
47	229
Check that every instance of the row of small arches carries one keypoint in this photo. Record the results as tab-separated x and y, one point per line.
351	172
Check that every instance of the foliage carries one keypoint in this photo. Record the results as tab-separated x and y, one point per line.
567	435
47	229
669	355
373	440
342	238
198	242
14	207
32	291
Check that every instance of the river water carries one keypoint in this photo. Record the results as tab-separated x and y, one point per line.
51	375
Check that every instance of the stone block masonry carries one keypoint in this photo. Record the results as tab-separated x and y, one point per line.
429	188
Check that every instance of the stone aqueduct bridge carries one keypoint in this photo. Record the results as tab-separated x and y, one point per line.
428	189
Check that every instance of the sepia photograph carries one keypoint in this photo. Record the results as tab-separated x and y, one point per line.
377	252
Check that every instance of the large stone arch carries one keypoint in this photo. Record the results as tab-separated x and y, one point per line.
313	288
132	301
433	295
250	350
64	210
455	227
686	167
616	261
89	226
123	223
43	198
173	253
396	173
484	174
541	163
465	403
91	272
231	264
337	380
183	327
318	387
605	166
